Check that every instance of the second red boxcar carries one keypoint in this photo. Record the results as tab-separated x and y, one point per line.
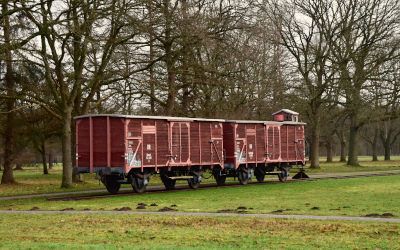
262	148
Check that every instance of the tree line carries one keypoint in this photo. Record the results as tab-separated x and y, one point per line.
336	62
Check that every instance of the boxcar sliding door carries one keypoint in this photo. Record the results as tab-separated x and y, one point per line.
300	147
216	143
179	144
149	142
240	144
273	143
251	143
134	144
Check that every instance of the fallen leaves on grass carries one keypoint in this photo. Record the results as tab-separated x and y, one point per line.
123	209
167	209
226	211
67	209
384	215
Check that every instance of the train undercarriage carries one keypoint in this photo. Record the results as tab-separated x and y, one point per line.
195	174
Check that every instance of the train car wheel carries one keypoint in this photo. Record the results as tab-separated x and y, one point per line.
193	183
283	175
168	183
260	174
243	176
220	179
111	183
139	184
260	177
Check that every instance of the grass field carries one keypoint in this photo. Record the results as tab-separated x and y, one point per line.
353	197
32	181
371	196
365	165
168	232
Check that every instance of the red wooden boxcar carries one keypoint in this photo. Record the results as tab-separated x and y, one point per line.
257	147
127	149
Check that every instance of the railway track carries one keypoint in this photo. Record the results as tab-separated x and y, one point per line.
161	189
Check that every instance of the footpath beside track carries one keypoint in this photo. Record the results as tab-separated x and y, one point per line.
196	214
102	193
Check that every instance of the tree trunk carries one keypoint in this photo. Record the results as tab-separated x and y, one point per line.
44	160
387	149
8	176
329	153
342	150
386	139
18	166
353	142
51	159
375	146
151	58
374	153
169	62
315	135
66	149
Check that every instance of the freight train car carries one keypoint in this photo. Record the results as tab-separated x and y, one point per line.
128	149
259	148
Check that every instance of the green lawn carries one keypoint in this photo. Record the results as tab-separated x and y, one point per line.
350	197
353	197
169	232
365	165
32	181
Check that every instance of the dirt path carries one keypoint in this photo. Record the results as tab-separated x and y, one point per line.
263	216
150	188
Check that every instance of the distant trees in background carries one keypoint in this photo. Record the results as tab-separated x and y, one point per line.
335	62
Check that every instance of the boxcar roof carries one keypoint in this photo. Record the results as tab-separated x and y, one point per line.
246	121
169	118
266	122
286	111
291	123
172	118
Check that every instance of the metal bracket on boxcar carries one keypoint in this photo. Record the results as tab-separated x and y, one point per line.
173	157
142	176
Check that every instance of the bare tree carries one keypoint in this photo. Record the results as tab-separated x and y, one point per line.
365	36
302	36
370	134
77	42
9	80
